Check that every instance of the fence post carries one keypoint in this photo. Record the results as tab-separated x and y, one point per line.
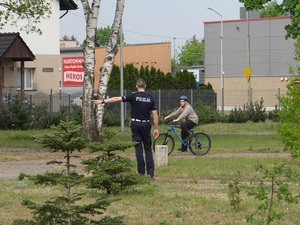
50	101
9	97
60	96
69	99
278	94
192	99
30	104
216	102
159	102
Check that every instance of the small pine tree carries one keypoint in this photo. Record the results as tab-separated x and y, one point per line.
109	171
67	137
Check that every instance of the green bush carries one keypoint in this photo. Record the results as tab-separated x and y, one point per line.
273	115
49	120
19	115
5	117
16	115
206	114
76	114
112	117
237	115
254	112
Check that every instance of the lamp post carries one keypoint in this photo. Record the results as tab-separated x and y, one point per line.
222	72
121	77
174	53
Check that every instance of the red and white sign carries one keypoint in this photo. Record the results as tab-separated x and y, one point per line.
72	71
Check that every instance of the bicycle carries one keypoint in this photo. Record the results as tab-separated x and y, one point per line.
199	144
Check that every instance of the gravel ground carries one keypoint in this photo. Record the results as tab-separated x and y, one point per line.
14	161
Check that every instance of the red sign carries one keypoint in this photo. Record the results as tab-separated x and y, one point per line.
72	72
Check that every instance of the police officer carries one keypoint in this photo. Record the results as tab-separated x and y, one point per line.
142	106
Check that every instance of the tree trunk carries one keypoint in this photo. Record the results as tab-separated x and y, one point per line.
88	113
106	68
93	117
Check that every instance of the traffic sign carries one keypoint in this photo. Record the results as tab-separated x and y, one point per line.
247	73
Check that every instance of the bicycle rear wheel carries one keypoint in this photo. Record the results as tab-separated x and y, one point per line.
200	144
165	139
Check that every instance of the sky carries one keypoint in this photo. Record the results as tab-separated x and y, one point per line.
155	21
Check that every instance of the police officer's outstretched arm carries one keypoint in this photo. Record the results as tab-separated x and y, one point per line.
108	100
155	121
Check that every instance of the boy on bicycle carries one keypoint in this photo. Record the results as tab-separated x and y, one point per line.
190	119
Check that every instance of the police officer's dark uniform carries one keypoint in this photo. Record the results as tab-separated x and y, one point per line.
141	106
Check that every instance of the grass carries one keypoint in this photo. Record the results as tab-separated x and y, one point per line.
225	137
189	190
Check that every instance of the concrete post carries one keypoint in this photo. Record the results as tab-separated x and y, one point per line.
161	155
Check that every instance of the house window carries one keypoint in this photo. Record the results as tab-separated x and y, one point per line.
28	78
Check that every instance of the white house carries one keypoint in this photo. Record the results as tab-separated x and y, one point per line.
43	73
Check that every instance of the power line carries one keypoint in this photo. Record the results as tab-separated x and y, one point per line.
135	32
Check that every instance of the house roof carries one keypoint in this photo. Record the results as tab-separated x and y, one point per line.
13	46
67	5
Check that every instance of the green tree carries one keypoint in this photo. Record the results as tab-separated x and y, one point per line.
92	117
191	53
161	79
130	76
114	79
67	137
33	11
289	6
289	116
272	9
69	38
184	80
108	170
145	74
103	34
168	83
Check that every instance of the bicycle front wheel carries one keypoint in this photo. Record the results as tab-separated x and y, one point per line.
165	139
200	144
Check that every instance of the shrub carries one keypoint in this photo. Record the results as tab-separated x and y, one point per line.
65	209
237	115
42	119
16	115
109	171
5	117
206	114
254	112
273	115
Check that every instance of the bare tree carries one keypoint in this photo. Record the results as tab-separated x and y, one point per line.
92	118
111	52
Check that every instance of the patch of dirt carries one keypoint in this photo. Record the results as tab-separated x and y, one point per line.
14	161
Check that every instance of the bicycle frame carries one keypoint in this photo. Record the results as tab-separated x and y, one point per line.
173	128
199	143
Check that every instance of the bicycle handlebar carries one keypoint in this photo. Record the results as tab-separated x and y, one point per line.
169	122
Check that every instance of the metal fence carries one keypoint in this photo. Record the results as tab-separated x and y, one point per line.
166	100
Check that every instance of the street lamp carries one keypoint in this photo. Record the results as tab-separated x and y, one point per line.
222	72
174	38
